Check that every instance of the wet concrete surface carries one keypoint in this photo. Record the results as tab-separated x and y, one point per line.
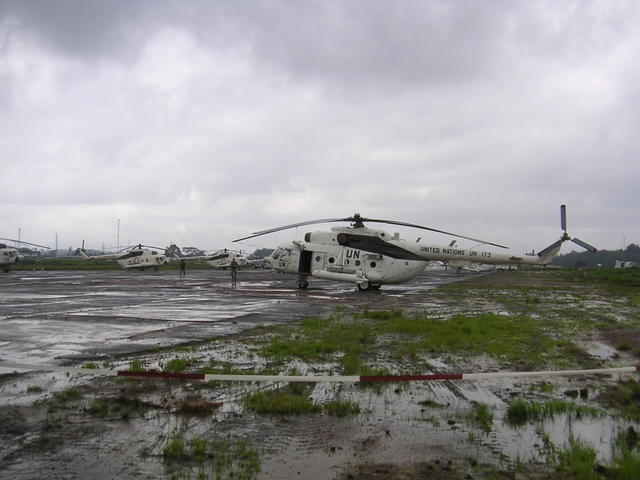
55	316
70	318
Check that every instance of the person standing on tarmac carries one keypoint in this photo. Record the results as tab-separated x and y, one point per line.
183	268
234	270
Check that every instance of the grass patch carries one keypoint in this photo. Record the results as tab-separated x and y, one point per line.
34	389
520	339
578	460
61	400
482	416
521	412
178	365
175	449
545	387
615	277
280	403
136	366
341	408
121	407
205	459
624	396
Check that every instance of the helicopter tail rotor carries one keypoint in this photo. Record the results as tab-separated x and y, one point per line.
552	249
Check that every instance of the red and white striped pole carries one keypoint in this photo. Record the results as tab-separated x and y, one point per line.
316	378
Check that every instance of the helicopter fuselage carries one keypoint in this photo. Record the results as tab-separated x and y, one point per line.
371	257
223	260
8	256
137	258
141	259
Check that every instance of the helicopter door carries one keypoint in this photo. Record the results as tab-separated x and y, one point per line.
318	261
374	266
305	262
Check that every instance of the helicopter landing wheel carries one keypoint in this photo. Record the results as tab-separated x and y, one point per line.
303	284
364	286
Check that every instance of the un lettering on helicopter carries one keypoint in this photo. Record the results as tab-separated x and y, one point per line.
371	258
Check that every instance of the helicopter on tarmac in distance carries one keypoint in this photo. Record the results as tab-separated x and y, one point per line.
371	258
220	259
137	258
10	255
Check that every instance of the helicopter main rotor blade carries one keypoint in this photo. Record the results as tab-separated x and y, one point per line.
551	247
413	225
584	245
358	220
22	241
293	225
563	217
157	248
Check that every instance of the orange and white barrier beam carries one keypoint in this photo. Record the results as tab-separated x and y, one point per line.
316	378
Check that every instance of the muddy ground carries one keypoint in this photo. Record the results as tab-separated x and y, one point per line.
63	426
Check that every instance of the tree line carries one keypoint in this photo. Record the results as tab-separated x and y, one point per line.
604	258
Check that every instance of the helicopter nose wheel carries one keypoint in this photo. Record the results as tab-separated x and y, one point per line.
364	285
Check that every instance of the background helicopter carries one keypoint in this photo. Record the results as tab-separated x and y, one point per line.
10	255
371	258
138	257
220	259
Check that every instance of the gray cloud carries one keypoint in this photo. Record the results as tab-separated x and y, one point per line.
215	119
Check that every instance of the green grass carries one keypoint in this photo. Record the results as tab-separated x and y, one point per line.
626	466
341	408
482	416
624	396
205	459
578	460
407	339
280	403
136	366
121	407
607	277
62	400
178	365
521	412
175	448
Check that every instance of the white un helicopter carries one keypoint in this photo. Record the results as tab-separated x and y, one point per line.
371	258
10	255
220	259
136	258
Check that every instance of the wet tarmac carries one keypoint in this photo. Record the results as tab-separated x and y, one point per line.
71	318
50	317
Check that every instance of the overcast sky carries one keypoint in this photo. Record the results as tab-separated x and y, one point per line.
200	122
